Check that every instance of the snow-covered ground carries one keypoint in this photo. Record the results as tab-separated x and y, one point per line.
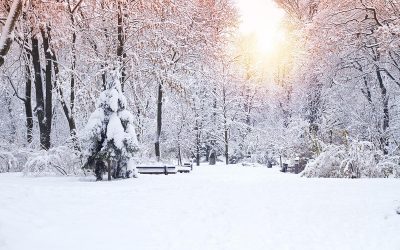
211	208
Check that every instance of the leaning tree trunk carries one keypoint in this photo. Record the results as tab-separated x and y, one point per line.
6	38
159	121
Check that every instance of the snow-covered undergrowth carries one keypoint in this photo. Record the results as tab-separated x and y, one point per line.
56	161
359	160
13	159
219	207
8	162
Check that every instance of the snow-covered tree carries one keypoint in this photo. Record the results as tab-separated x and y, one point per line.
110	135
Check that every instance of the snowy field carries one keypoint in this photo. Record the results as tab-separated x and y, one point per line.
211	208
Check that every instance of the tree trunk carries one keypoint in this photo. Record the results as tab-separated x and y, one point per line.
384	140
226	126
109	170
198	148
28	102
213	157
121	43
71	121
208	149
179	156
48	86
39	109
197	129
103	76
159	121
197	155
139	130
13	128
226	146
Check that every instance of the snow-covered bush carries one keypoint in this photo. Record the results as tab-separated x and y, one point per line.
389	166
359	160
56	161
327	164
131	171
236	156
8	162
13	159
22	155
109	137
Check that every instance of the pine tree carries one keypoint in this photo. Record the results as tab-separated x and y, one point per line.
110	136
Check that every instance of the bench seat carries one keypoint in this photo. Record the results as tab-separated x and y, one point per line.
156	170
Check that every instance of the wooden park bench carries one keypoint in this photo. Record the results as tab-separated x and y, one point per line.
291	168
156	169
185	168
295	168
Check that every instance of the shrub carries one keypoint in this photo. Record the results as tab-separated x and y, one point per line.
327	164
54	162
359	160
8	162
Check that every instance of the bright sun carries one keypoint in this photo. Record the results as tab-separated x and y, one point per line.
261	18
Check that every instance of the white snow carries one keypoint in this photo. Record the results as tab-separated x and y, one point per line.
115	131
95	122
113	99
211	208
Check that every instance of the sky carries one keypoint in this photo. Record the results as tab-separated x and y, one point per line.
262	18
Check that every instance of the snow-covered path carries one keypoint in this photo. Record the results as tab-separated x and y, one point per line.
211	208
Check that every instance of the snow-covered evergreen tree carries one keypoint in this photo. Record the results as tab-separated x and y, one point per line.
110	135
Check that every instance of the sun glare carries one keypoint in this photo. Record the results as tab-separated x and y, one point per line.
261	18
